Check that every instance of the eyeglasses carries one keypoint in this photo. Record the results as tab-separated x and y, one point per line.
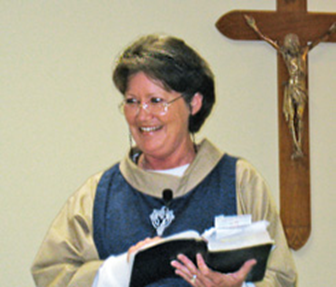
155	106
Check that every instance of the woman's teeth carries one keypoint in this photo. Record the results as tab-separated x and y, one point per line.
149	129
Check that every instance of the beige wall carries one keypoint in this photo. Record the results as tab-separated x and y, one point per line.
59	122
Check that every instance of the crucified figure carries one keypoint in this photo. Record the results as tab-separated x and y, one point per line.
295	93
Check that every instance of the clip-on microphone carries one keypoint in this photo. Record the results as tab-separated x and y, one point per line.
167	196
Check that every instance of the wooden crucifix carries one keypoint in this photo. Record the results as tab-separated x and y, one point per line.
291	17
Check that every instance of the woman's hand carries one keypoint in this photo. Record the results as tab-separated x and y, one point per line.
203	276
141	244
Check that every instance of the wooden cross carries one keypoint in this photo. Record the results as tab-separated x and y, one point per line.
291	16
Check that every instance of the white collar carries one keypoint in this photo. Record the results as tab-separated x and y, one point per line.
153	183
177	171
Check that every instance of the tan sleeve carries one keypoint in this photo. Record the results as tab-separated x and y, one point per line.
68	256
254	198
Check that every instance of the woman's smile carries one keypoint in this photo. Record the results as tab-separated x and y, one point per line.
150	129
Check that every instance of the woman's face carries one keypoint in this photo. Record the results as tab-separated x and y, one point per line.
160	135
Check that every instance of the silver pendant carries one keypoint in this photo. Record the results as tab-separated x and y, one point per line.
161	219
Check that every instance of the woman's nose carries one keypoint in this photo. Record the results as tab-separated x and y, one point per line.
143	110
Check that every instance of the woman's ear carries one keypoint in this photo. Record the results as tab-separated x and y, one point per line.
196	103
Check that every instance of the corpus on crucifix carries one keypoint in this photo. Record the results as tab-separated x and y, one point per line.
295	90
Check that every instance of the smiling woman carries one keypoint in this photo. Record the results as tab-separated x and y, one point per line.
162	137
168	92
174	66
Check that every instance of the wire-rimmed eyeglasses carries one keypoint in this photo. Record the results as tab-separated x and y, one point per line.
155	106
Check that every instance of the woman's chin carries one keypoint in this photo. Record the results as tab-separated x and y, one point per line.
150	148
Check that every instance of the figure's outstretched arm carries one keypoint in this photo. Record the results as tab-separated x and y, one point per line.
252	23
324	37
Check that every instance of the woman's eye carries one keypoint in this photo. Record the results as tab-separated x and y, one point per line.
156	100
130	101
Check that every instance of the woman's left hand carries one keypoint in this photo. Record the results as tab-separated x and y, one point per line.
202	276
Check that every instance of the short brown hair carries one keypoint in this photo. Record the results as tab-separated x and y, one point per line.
176	65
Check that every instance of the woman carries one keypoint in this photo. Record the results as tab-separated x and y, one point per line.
168	92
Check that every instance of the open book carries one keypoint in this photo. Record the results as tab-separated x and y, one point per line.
224	248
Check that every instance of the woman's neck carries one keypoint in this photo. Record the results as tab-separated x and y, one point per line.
168	162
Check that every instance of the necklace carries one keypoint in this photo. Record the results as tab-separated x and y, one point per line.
161	219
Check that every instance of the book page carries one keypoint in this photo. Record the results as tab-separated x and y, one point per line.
240	237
